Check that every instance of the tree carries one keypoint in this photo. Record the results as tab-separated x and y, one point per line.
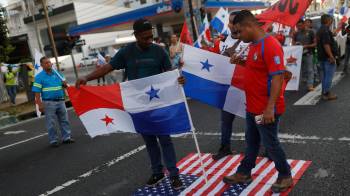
5	47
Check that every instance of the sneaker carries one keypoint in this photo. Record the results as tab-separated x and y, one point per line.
154	180
310	88
329	96
237	178
54	144
176	183
282	184
223	152
68	141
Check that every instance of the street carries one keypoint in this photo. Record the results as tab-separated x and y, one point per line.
118	164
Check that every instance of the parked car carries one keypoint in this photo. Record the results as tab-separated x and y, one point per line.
88	61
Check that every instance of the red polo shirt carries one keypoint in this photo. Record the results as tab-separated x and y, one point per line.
265	59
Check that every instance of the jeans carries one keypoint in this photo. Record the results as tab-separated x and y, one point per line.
55	109
327	75
226	127
347	58
267	134
154	152
12	91
308	69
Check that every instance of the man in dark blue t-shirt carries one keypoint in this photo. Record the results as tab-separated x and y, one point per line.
142	59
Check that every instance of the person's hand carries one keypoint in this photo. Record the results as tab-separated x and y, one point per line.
80	81
181	80
41	107
64	84
332	60
236	59
268	116
288	75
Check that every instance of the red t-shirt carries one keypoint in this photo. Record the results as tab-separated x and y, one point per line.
265	59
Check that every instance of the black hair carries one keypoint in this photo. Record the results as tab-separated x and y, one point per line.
300	21
325	18
42	58
308	20
244	16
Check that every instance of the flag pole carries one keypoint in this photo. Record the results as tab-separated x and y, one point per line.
193	130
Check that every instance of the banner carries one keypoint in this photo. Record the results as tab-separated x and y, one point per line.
286	12
292	59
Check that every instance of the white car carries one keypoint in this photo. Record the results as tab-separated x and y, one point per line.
87	61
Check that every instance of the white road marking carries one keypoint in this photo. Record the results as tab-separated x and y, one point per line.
284	137
23	141
313	97
14	132
93	171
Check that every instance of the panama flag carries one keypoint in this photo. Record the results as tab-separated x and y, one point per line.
346	16
37	66
204	33
344	8
154	105
212	79
220	21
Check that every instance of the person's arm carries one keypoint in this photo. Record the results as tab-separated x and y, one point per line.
117	62
328	49
314	41
326	42
39	102
276	86
235	59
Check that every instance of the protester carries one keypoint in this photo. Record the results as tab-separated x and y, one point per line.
175	50
264	73
49	95
143	59
327	52
306	38
11	84
231	47
346	32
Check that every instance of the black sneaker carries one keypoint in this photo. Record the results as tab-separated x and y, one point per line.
176	183
223	152
68	141
54	144
154	180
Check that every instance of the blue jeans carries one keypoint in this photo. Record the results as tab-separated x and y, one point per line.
327	75
267	134
55	109
226	127
154	152
308	69
12	91
347	57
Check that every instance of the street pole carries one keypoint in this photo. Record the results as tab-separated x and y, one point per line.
53	45
31	8
74	66
194	28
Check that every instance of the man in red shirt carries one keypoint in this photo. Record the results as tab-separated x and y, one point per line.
264	87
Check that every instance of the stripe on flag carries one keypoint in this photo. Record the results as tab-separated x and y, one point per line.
264	175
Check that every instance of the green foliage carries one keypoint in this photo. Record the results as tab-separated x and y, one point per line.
5	46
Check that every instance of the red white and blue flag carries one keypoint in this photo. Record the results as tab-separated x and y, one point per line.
154	105
212	79
204	33
264	175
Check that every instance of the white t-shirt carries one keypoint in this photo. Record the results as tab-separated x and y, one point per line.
229	42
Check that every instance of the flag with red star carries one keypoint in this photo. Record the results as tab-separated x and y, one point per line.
154	105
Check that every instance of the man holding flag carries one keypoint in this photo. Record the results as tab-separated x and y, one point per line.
49	95
264	80
140	60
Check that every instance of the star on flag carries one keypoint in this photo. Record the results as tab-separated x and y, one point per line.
153	93
36	66
107	120
206	65
292	60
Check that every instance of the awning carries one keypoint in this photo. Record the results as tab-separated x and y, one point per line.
144	12
236	4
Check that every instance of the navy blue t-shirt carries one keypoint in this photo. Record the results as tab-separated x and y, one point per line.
139	63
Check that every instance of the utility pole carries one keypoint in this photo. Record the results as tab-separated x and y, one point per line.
194	27
31	7
53	45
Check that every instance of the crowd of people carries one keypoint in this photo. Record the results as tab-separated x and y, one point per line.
265	80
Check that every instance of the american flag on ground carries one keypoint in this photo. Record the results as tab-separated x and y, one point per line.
264	175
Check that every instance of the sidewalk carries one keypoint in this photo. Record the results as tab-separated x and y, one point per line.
21	98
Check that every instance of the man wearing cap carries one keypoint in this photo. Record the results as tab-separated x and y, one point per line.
142	59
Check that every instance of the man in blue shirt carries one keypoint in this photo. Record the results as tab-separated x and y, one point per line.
142	59
49	95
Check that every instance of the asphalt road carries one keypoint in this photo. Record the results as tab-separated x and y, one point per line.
118	164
